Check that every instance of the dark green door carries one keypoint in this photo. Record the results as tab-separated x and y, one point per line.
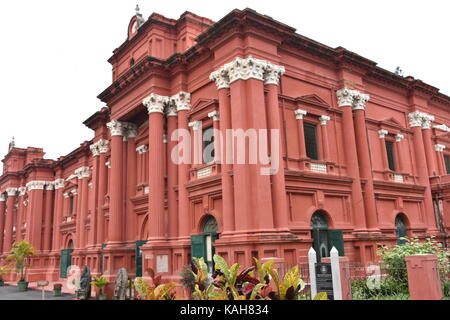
319	235
400	229
336	239
138	255
66	261
198	246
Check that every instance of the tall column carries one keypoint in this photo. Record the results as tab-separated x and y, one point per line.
223	85
172	172
118	130
7	242
182	102
417	120
299	114
401	154
48	216
36	206
363	150
325	142
103	148
382	135
131	177
155	105
345	101
2	219
440	158
278	186
429	150
58	214
20	213
83	175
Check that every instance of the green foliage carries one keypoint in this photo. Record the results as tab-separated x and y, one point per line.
156	290
100	282
321	296
187	278
389	289
257	282
19	253
394	257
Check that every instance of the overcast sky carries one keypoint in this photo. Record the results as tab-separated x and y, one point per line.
53	53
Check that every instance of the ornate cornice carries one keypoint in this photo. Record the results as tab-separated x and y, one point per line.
83	172
155	103
299	114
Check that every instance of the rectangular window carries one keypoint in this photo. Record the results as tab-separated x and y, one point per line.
208	145
447	163
311	141
71	205
390	154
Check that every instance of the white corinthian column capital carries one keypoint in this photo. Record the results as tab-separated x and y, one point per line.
273	73
345	97
182	101
11	191
360	100
221	78
155	103
420	119
117	128
83	172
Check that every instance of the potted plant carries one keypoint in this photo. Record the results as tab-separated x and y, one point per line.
100	283
3	271
57	289
19	253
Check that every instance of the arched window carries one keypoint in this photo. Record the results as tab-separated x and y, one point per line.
400	229
319	225
202	245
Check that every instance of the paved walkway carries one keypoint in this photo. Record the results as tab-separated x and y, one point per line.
13	293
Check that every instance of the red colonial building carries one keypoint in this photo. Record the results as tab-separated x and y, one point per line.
362	155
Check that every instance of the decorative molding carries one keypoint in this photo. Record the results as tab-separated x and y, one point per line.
74	192
155	103
323	120
142	149
182	101
442	127
132	130
439	147
345	97
171	109
382	133
83	172
66	195
422	119
399	137
360	100
22	191
214	115
50	186
195	125
2	197
299	114
36	185
94	149
108	164
59	183
273	73
103	146
117	128
221	78
11	192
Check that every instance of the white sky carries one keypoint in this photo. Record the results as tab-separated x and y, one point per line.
53	53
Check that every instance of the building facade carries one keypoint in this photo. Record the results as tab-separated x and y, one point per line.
361	154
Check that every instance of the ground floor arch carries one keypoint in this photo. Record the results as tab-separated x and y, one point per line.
202	245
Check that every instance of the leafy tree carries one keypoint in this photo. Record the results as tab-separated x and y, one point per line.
19	253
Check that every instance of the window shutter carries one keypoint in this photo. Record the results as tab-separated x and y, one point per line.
311	141
198	246
336	239
390	154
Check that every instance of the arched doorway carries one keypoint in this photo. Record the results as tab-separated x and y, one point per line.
202	244
319	225
400	229
66	259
